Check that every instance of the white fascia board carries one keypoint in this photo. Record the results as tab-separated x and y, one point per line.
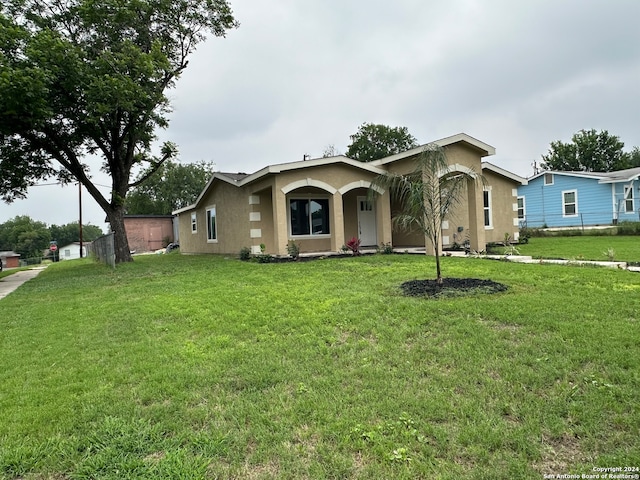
505	173
592	175
486	149
317	162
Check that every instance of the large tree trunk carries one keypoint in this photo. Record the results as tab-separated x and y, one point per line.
120	241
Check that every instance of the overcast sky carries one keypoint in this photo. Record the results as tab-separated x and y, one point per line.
299	75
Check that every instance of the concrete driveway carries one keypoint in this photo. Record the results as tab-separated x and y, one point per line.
12	282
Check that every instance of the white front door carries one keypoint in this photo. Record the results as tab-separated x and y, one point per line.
367	222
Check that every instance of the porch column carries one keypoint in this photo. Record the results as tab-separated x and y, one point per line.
337	222
383	209
476	216
280	227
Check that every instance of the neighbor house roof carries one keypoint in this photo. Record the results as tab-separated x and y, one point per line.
603	177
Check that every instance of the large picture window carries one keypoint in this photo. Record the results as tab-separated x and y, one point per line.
309	216
570	203
212	231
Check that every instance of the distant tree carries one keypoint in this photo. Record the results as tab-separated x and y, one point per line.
427	194
25	236
69	233
588	151
330	151
375	141
170	187
634	157
82	77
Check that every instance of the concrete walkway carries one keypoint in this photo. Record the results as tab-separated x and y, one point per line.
12	282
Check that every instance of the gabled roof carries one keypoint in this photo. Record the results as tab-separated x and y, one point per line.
484	148
504	173
621	175
241	179
602	177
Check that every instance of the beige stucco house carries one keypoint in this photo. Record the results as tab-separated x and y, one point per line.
322	203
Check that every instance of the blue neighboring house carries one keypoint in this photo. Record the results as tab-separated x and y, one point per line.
575	199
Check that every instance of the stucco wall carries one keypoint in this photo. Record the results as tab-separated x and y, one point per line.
504	210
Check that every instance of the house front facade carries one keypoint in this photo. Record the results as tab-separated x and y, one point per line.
576	199
322	203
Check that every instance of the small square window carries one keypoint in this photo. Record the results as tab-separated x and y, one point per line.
548	178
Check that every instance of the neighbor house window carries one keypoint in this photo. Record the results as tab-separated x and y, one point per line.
212	232
521	208
628	199
194	223
487	208
570	203
309	216
548	178
67	252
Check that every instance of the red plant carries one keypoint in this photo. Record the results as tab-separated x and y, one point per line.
354	245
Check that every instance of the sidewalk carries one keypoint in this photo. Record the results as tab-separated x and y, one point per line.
10	283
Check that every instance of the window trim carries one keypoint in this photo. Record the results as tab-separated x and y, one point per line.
194	222
215	220
524	208
564	204
309	198
628	190
487	208
548	176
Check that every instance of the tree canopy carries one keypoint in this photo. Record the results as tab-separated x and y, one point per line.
25	236
588	151
375	141
69	233
88	77
170	187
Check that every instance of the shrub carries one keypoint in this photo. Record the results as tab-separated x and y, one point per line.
293	249
245	254
354	245
628	228
386	248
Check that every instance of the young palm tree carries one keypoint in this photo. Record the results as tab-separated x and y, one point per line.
427	195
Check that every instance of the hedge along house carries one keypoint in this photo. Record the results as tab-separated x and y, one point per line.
576	199
322	203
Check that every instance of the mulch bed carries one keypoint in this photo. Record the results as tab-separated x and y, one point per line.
450	287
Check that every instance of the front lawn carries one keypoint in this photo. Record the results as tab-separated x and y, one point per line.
208	367
624	248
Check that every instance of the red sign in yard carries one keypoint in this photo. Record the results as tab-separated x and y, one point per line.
53	248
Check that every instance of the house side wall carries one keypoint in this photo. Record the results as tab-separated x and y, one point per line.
232	221
504	207
544	203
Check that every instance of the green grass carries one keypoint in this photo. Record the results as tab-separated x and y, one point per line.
206	367
625	248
